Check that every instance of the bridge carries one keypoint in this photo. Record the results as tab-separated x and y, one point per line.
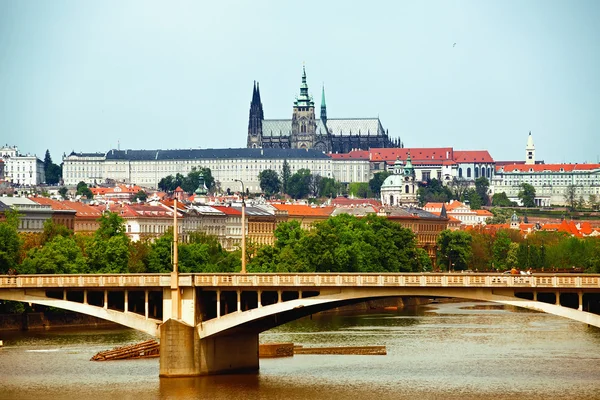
209	323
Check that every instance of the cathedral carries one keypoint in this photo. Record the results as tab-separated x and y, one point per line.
304	131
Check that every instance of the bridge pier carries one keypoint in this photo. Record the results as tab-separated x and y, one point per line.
178	344
229	354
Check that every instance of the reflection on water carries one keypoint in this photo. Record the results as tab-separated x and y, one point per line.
454	350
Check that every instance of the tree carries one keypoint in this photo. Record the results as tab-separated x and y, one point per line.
63	192
459	186
108	251
52	230
315	185
193	179
570	196
140	195
454	249
593	201
474	199
527	195
286	174
501	200
360	190
433	191
10	242
52	171
376	182
501	216
61	255
329	187
500	250
482	186
270	183
83	190
299	184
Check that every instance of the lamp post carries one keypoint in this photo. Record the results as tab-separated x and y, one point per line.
243	228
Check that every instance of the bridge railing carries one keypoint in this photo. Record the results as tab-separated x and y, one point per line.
302	280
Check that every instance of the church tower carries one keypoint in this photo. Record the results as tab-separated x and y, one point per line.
303	119
530	150
323	107
255	120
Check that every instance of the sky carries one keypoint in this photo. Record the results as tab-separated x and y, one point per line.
90	76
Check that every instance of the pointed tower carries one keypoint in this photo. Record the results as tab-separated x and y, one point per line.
255	120
303	119
323	107
530	150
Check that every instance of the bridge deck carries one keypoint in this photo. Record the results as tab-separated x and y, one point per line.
557	281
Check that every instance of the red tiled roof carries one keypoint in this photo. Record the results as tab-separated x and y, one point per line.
481	156
299	210
484	213
548	167
228	210
54	204
353	155
416	154
82	210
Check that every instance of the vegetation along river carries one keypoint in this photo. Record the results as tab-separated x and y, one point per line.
449	351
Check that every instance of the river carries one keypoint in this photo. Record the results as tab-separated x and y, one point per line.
449	351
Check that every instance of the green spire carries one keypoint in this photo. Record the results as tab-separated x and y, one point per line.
304	100
408	167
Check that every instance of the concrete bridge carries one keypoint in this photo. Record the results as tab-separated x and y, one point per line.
209	323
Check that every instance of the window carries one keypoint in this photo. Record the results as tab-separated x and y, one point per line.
468	172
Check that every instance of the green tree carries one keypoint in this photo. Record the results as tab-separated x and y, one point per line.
360	190
433	191
10	242
329	187
52	230
482	186
501	200
527	195
376	182
270	183
60	255
193	180
83	190
454	249
286	175
501	216
52	171
160	257
593	201
63	192
108	251
299	184
474	199
500	250
315	185
459	186
140	195
570	196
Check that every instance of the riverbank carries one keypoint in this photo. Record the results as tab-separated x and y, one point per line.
39	321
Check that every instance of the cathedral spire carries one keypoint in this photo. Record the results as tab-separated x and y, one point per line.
323	106
304	100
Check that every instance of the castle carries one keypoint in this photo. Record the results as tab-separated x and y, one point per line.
304	131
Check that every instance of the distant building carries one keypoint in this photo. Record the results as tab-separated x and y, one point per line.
21	169
304	131
400	188
550	181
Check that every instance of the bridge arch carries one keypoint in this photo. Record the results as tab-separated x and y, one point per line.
264	318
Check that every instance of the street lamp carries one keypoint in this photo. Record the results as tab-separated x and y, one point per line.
243	228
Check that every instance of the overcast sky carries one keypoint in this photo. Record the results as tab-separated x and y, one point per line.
88	75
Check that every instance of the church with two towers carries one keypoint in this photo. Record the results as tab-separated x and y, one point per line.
305	131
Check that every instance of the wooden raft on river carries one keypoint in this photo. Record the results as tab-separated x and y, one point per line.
147	349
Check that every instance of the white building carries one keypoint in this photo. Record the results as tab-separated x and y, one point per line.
400	188
147	167
550	181
22	170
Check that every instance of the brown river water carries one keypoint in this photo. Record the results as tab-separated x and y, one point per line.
442	351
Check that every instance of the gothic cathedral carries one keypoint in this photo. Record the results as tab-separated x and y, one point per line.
304	131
